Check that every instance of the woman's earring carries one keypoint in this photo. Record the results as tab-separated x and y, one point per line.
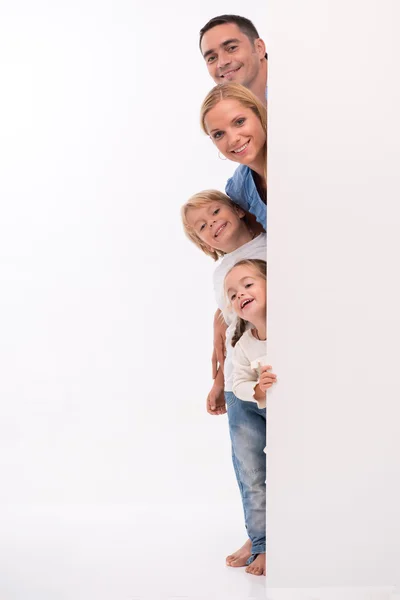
219	156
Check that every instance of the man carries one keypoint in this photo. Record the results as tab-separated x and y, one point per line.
234	52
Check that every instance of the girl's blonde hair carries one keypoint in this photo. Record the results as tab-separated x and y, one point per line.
235	91
260	266
197	201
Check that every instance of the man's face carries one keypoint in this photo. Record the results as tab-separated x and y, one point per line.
230	55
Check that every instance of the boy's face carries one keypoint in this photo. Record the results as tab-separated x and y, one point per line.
247	292
231	56
217	225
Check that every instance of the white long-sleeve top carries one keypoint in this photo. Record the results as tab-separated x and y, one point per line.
248	355
256	248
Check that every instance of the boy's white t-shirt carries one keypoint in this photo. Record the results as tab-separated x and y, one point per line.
256	248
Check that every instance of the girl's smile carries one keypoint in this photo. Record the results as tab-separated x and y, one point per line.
246	302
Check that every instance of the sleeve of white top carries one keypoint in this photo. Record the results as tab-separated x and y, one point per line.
244	377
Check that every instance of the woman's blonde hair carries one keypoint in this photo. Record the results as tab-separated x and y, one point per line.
233	91
197	201
260	266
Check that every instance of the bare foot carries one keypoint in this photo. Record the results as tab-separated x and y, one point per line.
258	566
240	557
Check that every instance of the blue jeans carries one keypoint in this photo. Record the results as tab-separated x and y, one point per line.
247	428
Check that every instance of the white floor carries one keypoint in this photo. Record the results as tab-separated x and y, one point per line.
132	553
120	553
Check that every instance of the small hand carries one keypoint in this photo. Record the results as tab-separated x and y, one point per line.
216	401
266	378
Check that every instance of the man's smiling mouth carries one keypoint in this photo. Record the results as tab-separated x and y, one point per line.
229	72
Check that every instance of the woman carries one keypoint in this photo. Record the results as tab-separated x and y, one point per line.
236	121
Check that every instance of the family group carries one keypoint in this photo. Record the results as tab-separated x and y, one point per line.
231	228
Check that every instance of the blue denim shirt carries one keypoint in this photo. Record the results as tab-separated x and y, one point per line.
242	190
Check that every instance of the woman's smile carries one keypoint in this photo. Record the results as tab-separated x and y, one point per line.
242	149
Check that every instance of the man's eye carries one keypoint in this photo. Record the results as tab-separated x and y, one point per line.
232	48
211	59
216	211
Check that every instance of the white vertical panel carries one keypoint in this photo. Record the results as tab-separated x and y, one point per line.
334	294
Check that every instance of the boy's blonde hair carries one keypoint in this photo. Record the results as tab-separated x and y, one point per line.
198	201
260	266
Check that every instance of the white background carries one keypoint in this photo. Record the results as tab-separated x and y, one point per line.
106	308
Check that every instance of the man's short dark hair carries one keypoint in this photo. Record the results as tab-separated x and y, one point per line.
245	26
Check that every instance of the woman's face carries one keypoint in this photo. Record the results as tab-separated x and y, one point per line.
236	131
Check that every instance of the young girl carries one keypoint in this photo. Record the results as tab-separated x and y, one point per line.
220	229
245	287
236	121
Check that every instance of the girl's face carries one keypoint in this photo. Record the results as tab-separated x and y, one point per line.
236	131
247	292
217	225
